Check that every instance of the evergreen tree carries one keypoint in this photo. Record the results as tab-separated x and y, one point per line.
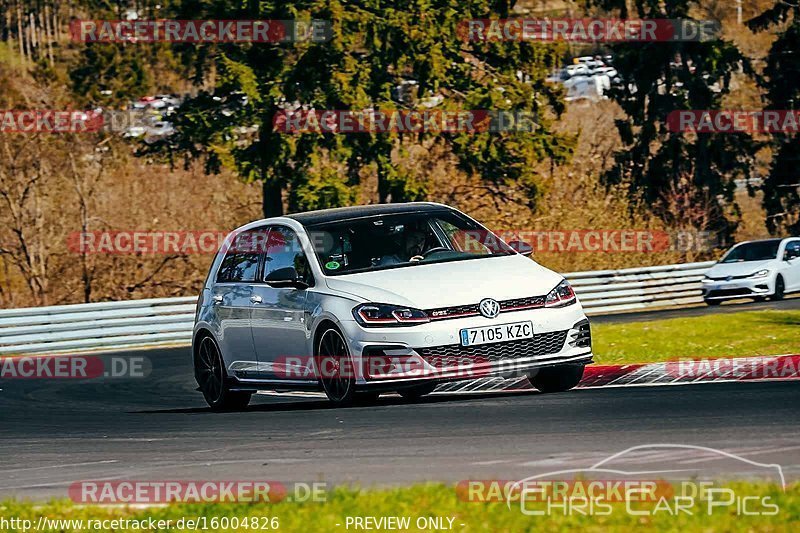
687	179
375	46
782	83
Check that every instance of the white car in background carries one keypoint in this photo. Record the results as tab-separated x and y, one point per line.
586	88
755	269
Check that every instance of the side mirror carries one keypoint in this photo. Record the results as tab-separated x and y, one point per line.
521	247
285	278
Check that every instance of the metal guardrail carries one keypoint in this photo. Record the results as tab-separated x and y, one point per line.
160	321
634	289
105	325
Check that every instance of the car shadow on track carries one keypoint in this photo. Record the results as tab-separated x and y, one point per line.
286	404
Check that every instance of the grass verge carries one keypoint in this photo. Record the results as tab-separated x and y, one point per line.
437	501
742	334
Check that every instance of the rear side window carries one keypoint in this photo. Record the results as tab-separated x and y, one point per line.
241	259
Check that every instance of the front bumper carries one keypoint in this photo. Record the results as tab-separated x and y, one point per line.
432	351
724	289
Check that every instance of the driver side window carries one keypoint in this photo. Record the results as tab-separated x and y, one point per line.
793	250
284	251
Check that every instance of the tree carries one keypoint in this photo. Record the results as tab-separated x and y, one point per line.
114	67
660	77
782	84
375	46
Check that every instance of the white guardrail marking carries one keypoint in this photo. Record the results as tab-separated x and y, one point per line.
159	321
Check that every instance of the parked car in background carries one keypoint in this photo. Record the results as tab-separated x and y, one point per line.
755	269
159	130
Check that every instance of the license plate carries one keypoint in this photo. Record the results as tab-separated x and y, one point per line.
499	333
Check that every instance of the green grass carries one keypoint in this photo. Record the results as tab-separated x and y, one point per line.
721	335
434	501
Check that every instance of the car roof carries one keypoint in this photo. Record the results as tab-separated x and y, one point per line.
312	218
765	240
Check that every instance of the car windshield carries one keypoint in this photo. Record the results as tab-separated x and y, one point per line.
401	240
753	251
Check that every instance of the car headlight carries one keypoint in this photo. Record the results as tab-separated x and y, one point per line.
561	296
760	274
382	315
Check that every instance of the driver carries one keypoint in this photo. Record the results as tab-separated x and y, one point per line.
415	244
411	247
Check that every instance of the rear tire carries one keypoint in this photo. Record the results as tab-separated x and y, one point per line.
780	289
211	377
413	394
556	378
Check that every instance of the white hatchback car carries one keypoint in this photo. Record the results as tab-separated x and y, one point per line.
755	269
362	300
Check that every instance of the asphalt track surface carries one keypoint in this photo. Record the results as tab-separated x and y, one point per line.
53	433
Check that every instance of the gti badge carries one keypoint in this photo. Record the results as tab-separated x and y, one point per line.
489	308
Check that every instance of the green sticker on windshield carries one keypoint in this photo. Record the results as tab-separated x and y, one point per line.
332	265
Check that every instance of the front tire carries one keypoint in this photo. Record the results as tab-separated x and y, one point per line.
335	367
780	289
211	377
556	378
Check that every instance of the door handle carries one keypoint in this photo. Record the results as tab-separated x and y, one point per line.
217	299
256	299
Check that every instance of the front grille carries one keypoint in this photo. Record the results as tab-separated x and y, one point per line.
452	312
458	311
455	354
533	301
729	292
